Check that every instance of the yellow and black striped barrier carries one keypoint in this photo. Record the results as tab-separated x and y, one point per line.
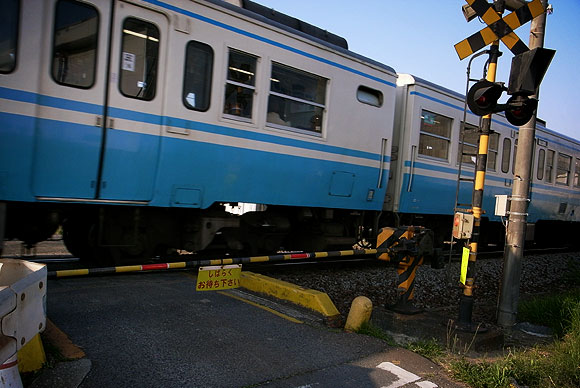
498	28
407	246
200	263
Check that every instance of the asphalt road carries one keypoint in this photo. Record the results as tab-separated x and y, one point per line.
155	330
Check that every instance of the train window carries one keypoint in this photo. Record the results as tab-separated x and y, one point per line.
541	163
435	135
577	173
197	78
9	19
369	96
550	166
493	146
563	169
139	57
296	99
240	84
74	47
470	141
506	153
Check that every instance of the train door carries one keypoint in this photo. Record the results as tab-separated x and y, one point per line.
134	104
70	98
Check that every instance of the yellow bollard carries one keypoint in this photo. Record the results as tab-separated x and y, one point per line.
360	312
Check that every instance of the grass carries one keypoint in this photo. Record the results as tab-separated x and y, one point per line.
371	330
554	365
430	349
553	311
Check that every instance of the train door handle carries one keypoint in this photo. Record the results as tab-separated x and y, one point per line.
412	167
382	163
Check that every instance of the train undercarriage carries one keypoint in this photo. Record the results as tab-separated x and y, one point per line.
114	235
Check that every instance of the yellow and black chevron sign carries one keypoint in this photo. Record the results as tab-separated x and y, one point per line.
498	28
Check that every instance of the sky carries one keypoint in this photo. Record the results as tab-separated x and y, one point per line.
418	37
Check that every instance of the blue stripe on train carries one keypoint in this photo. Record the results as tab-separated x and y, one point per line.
204	172
431	195
21	96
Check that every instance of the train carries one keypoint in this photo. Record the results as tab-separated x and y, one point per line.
134	124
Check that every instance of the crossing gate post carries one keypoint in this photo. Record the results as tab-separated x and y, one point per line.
406	247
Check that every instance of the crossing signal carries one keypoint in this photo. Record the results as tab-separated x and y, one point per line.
526	74
482	97
519	109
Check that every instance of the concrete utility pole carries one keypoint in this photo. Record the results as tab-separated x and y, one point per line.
516	228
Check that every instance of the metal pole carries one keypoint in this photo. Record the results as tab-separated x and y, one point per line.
516	228
466	302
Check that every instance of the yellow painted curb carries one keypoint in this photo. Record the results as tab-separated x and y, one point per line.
312	299
60	340
31	356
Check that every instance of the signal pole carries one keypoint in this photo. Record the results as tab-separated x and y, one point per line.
466	301
516	228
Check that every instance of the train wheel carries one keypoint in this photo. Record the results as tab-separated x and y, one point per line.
76	235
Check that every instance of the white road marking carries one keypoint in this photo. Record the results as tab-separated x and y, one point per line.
404	376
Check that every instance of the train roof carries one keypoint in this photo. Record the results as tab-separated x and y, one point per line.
410	79
296	27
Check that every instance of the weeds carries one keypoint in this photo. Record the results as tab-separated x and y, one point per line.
371	330
554	365
553	311
430	349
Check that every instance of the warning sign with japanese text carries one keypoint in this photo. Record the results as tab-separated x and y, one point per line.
218	277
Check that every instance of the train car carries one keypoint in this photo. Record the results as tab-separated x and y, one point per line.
132	123
426	157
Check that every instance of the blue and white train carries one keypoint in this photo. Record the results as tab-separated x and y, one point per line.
132	123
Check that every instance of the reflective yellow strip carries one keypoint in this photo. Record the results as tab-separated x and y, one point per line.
128	268
488	36
268	309
512	20
72	272
491	71
483	142
321	254
490	16
479	180
259	259
510	40
176	265
536	8
463	49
